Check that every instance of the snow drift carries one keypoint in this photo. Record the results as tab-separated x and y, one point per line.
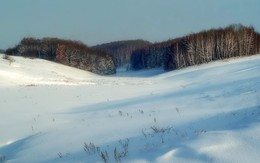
54	113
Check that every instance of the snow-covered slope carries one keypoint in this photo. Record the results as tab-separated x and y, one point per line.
54	113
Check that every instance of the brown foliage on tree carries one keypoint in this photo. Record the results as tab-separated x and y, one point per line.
72	53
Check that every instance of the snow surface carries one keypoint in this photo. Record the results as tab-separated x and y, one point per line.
206	113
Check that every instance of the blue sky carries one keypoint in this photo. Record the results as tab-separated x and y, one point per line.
99	21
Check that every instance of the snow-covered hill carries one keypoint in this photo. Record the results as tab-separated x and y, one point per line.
54	113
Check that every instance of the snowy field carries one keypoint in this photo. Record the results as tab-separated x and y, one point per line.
54	113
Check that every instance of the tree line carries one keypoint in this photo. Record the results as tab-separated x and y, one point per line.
205	46
68	52
202	47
